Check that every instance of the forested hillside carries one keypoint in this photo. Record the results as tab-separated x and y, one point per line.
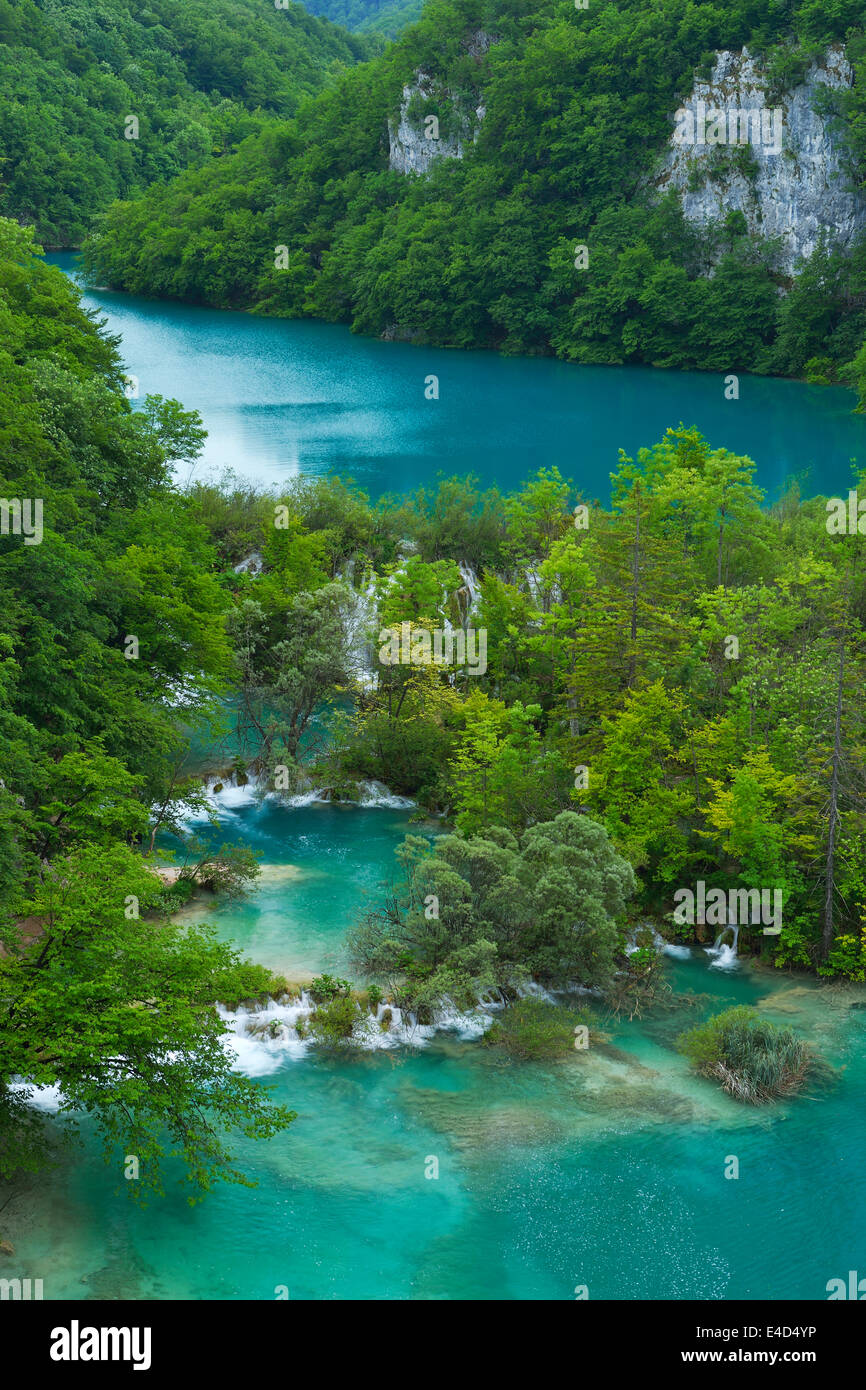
197	75
386	17
480	251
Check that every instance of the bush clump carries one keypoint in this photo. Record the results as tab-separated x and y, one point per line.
326	987
754	1060
535	1030
334	1023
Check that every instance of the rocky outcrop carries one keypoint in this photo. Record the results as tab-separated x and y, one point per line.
416	143
415	140
788	178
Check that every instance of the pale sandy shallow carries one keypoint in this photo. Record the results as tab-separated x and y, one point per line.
201	907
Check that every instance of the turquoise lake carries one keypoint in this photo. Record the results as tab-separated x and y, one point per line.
282	397
606	1169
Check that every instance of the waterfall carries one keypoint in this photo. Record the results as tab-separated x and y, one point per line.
667	948
264	1037
359	628
468	596
724	957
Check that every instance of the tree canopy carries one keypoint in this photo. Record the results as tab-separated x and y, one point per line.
112	628
197	76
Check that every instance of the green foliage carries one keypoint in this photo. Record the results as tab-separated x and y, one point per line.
117	1010
385	17
334	1022
400	733
99	994
847	957
456	522
607	658
640	984
199	76
501	772
536	1030
290	655
327	987
855	372
754	1060
228	870
547	904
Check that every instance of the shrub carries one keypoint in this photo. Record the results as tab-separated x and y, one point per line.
326	987
640	984
754	1060
534	1029
848	957
333	1023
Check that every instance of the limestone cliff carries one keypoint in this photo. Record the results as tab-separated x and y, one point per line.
799	192
415	141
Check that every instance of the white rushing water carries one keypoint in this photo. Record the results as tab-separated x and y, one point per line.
722	955
667	948
263	1038
372	794
227	800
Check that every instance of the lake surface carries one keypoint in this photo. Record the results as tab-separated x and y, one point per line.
606	1169
282	397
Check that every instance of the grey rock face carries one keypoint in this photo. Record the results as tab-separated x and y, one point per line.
796	188
412	149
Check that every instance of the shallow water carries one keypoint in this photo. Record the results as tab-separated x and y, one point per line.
321	866
606	1169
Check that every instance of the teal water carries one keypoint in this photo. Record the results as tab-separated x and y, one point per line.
321	866
604	1170
281	398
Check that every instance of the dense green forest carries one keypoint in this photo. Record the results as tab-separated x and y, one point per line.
480	251
694	656
385	17
199	76
97	988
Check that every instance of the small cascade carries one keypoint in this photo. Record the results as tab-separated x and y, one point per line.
667	948
359	625
723	956
251	564
468	596
370	794
375	793
531	989
226	799
264	1037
